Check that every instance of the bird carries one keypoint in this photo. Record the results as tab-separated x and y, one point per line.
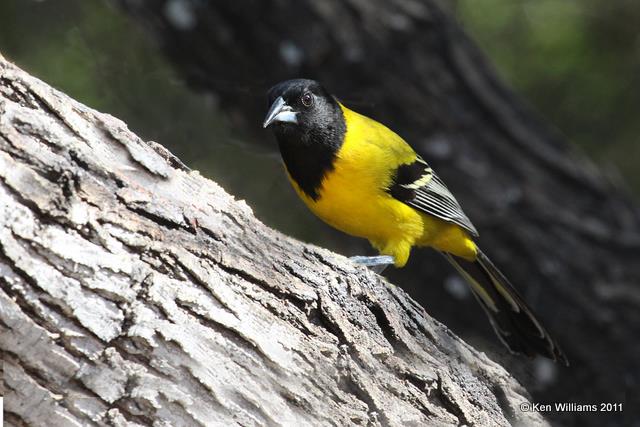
363	179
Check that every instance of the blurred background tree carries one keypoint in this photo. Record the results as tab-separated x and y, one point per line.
578	63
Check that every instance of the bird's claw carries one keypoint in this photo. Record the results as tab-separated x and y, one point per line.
376	264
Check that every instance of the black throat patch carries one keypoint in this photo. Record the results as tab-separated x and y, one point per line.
310	150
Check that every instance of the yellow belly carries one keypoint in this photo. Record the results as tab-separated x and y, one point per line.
358	211
352	197
393	228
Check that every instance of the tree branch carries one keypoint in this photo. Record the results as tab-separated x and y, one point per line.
565	234
135	291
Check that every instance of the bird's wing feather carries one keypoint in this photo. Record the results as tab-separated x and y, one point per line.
417	185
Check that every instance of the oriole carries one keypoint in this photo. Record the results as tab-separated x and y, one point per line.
363	179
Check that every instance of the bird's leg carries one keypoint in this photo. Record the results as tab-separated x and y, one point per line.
375	263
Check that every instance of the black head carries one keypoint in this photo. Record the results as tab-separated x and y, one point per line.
302	105
309	126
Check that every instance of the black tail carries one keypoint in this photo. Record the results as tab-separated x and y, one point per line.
511	318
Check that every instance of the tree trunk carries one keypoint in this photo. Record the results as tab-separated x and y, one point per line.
133	291
567	236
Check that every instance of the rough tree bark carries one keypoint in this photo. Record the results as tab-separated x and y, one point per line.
134	291
564	232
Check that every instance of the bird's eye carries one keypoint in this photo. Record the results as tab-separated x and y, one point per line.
307	99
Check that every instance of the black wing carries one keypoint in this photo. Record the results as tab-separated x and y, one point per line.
418	186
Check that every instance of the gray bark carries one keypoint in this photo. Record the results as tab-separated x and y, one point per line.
566	234
134	291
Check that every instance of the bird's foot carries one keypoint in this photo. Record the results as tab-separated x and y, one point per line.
375	263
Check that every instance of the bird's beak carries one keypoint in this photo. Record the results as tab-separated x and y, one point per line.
280	112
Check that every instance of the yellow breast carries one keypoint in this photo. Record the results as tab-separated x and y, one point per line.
353	196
